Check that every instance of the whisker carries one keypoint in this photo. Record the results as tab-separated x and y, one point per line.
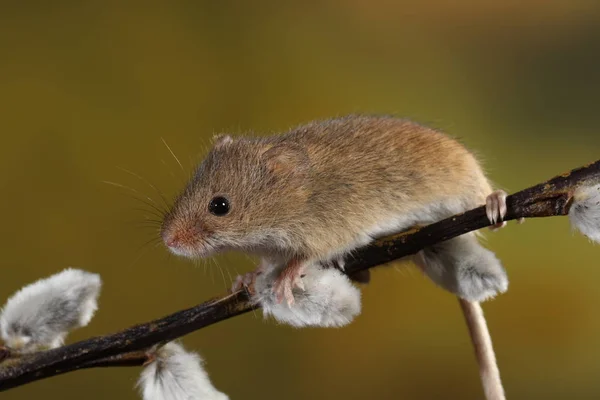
146	219
173	154
223	276
150	218
141	250
229	274
168	254
130	189
213	261
150	229
165	201
163	162
152	212
147	224
148	242
151	202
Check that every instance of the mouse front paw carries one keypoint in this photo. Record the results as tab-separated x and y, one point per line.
246	281
289	279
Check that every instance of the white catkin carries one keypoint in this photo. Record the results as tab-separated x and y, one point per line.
584	213
176	374
40	315
329	299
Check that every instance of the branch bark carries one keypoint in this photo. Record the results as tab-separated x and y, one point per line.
129	347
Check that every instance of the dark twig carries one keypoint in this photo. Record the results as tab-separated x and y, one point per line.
128	347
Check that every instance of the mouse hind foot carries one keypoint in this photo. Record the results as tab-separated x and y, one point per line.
495	209
464	267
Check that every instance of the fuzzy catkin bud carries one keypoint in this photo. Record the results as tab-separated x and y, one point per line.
176	374
584	213
40	315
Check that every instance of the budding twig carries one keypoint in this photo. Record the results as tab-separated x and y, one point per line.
128	347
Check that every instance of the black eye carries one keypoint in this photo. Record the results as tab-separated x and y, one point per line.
219	206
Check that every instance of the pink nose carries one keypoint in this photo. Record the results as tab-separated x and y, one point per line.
176	238
172	241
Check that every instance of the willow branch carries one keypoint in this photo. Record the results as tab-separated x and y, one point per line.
130	346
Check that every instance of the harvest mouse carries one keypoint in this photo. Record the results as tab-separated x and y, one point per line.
323	189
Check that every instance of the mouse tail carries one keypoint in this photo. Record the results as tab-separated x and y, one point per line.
484	350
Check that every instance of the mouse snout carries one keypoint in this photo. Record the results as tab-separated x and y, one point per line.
180	238
171	240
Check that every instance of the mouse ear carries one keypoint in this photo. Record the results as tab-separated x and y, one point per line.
286	159
221	140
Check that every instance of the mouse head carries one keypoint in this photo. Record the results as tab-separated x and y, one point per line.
246	195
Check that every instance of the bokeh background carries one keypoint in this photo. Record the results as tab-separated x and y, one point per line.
89	90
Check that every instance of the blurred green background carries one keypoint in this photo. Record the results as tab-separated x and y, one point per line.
88	89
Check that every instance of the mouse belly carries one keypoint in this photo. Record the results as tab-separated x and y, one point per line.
397	222
462	256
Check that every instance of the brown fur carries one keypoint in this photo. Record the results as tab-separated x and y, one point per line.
316	187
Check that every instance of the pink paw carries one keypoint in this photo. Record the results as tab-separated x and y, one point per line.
290	278
245	281
495	208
